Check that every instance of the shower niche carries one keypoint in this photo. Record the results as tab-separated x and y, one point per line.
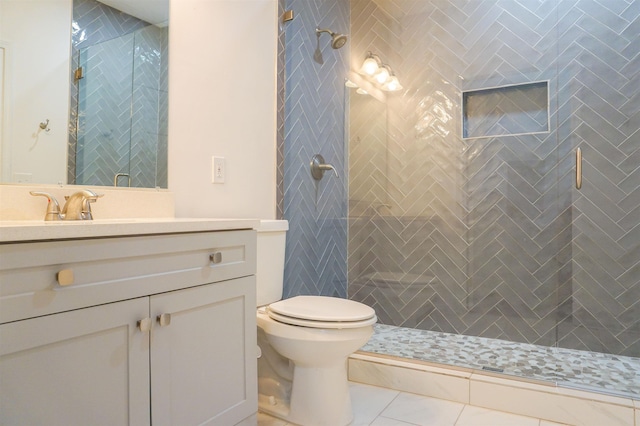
518	109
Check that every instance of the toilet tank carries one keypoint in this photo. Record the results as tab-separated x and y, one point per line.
272	236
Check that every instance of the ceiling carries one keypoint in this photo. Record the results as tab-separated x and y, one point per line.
153	11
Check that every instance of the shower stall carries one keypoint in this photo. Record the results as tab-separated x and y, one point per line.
493	202
122	109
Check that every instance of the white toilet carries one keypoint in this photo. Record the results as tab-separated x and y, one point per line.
304	342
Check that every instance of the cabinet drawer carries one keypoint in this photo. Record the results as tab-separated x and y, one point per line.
111	269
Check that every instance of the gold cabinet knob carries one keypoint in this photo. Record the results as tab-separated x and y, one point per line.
145	324
215	257
164	320
65	277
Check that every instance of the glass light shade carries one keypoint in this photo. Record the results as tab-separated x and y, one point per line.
350	84
361	91
370	66
382	75
392	85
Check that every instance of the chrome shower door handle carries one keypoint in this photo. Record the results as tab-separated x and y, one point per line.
119	175
578	168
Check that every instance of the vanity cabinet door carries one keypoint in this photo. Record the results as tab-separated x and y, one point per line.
83	367
203	361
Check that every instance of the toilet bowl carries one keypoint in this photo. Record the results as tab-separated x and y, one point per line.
304	343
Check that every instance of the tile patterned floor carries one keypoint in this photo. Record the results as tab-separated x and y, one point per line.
374	406
611	374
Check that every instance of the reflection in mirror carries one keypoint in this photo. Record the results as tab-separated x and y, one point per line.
118	115
86	140
35	39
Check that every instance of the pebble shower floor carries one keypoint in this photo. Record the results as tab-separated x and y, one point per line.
598	372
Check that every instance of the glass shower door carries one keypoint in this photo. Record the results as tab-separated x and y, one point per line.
123	110
598	86
465	216
104	111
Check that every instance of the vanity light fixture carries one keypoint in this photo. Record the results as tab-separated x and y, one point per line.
392	84
371	64
380	73
383	74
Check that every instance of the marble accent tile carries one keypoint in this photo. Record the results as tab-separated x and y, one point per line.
417	379
422	410
551	388
412	364
477	416
546	402
368	402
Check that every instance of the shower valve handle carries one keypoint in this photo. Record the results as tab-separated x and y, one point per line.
318	167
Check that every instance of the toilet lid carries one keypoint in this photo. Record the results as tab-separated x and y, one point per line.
322	312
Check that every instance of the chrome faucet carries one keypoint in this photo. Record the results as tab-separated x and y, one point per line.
77	206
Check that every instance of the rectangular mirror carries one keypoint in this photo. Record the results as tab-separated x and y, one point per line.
84	92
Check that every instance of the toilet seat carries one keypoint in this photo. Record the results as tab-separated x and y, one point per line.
322	312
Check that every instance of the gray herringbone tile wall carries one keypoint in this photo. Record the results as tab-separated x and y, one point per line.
316	256
118	117
489	236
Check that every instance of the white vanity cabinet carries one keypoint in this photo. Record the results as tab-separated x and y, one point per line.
156	329
204	373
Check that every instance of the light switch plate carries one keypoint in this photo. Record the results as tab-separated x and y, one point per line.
219	170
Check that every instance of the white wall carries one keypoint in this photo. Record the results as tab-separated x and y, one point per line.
37	42
222	91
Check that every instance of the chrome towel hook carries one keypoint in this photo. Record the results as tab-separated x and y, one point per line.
44	125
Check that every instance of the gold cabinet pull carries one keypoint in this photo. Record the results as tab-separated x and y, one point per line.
578	168
65	277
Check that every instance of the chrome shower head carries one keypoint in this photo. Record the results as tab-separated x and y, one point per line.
337	40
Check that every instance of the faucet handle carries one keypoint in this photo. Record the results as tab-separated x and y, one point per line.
53	208
89	194
86	203
88	197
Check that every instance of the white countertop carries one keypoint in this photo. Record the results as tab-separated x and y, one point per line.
31	230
